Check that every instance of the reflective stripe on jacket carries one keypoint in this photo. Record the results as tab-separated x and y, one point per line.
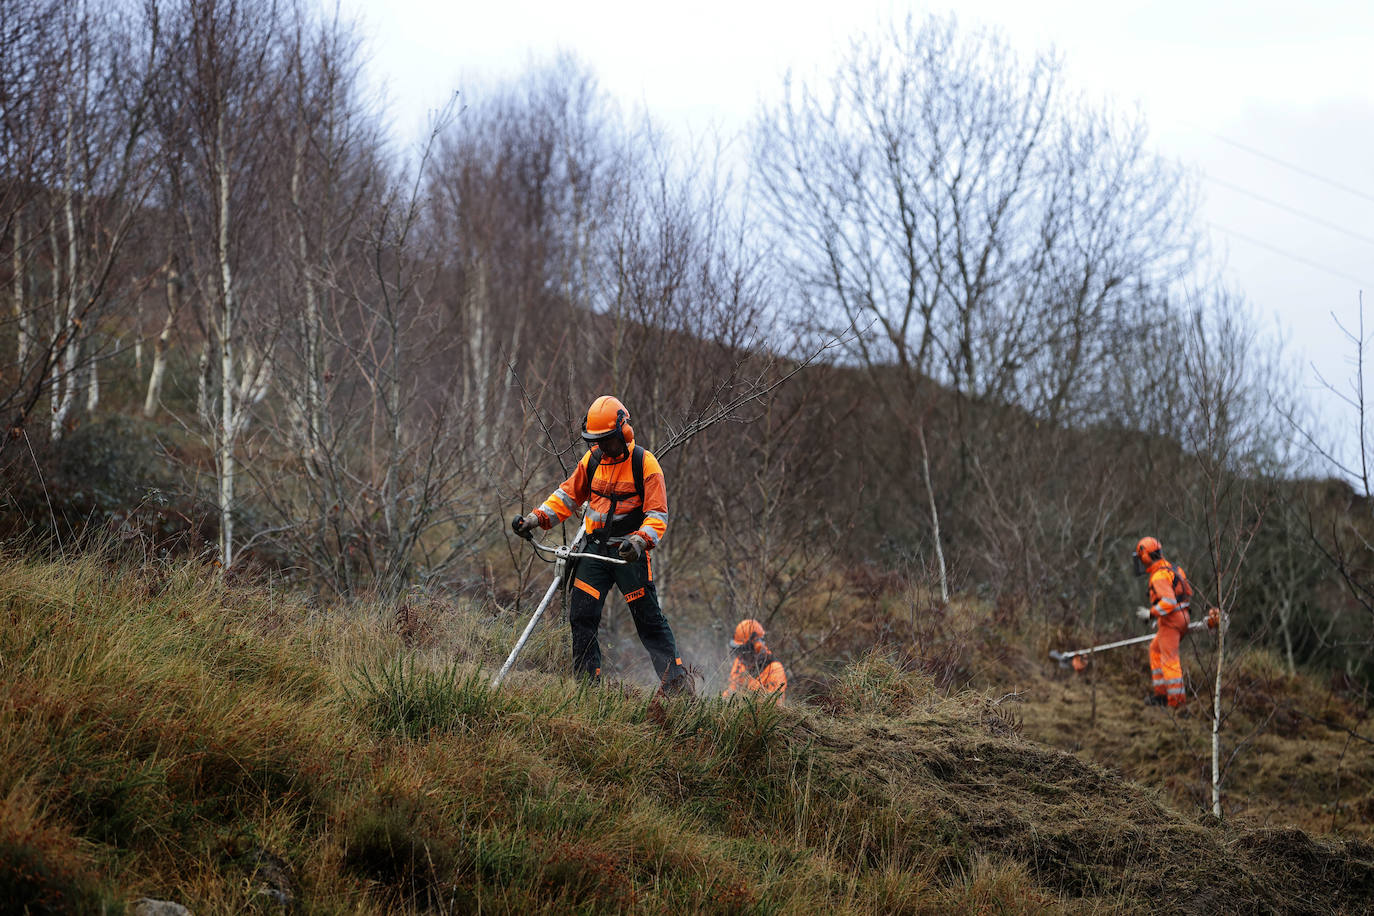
613	476
1163	601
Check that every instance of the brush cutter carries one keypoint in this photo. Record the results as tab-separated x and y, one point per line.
1078	657
561	556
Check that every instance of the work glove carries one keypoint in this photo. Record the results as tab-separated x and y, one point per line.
632	548
1143	613
524	524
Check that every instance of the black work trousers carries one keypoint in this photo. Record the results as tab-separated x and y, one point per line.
592	581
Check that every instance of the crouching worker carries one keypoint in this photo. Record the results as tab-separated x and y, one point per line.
627	516
1169	596
754	669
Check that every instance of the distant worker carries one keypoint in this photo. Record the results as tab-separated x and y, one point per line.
1169	596
627	516
754	669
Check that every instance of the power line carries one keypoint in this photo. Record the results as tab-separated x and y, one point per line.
1289	209
1365	195
1335	272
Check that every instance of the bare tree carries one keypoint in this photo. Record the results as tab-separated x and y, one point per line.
1335	517
419	456
330	183
75	124
773	562
518	190
683	324
973	224
951	197
227	70
1354	398
1346	543
30	60
1229	387
335	170
386	494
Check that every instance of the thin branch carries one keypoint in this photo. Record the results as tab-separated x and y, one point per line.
728	410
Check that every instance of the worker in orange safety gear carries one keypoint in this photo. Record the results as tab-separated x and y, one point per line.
627	517
1169	595
755	669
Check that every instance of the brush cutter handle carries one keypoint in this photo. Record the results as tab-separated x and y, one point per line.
567	552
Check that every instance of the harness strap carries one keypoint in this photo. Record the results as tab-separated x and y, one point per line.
632	522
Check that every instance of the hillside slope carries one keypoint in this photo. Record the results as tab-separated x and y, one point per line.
1296	751
162	735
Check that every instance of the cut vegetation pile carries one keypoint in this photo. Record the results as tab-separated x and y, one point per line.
235	751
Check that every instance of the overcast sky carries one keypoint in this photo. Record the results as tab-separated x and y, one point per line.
1272	102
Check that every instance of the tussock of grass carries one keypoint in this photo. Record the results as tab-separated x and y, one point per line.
402	696
42	866
879	684
163	735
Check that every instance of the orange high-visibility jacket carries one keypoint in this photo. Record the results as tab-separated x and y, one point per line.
613	476
1170	607
1163	601
772	679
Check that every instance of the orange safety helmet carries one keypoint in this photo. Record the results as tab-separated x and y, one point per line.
748	631
606	417
1147	550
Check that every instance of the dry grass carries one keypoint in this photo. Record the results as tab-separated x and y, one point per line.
162	735
1293	747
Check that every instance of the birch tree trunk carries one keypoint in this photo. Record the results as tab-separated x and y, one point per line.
23	319
60	327
476	380
92	387
203	383
1216	720
483	394
225	433
312	423
160	347
64	380
934	514
393	504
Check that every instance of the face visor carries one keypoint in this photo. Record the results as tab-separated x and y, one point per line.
612	444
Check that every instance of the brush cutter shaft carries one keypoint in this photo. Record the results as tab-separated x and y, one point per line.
561	557
1063	657
529	628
